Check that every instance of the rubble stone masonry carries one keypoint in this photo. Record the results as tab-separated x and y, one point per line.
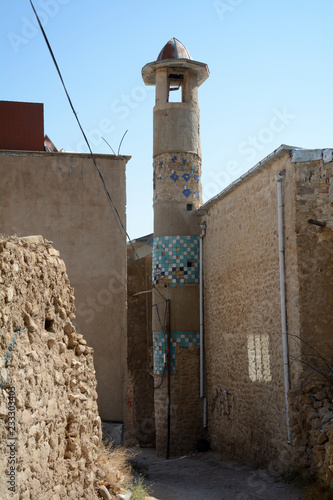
49	423
246	407
245	386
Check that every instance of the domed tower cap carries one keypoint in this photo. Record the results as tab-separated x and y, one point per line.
174	55
174	49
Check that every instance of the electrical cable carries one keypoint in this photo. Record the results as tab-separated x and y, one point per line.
113	206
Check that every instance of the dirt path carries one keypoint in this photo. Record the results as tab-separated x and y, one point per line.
205	477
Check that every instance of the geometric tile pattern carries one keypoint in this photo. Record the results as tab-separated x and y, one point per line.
182	339
176	260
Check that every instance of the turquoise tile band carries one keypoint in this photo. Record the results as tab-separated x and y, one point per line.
182	339
176	260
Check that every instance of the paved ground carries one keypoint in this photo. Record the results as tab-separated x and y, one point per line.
206	477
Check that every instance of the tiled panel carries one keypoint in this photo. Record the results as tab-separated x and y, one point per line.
176	176
176	260
183	339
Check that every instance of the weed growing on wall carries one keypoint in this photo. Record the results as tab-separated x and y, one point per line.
139	490
313	362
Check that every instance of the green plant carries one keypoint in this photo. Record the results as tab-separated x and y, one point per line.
139	490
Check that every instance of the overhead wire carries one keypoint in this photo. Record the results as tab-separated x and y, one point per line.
120	224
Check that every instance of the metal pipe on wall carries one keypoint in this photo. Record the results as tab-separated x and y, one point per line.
202	367
169	375
279	179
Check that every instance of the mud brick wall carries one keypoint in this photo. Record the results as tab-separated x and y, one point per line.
49	422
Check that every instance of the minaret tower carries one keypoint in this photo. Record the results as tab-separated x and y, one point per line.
177	194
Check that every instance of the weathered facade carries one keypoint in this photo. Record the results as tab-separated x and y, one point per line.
177	193
243	341
50	430
60	196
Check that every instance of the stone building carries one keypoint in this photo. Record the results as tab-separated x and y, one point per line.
261	254
60	196
254	301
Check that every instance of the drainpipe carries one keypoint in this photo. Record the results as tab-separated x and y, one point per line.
202	367
279	179
169	376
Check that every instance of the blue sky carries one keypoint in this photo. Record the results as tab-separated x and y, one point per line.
271	79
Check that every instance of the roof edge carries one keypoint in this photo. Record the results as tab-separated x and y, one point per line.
19	152
277	153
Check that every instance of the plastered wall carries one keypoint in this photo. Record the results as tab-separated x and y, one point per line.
60	196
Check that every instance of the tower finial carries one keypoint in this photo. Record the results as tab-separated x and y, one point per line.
174	49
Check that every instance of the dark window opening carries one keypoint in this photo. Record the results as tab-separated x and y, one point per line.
190	263
175	93
189	207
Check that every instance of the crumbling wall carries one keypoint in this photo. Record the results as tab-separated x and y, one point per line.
49	423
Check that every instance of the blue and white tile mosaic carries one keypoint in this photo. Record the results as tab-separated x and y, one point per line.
183	339
176	260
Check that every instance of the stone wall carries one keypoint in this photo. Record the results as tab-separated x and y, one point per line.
311	397
141	419
60	196
315	253
246	401
312	429
245	385
49	428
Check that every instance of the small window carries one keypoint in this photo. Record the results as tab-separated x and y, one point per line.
175	88
189	207
190	263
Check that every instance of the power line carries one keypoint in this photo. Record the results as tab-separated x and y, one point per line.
113	206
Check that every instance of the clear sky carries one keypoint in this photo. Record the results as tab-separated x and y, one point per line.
271	79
